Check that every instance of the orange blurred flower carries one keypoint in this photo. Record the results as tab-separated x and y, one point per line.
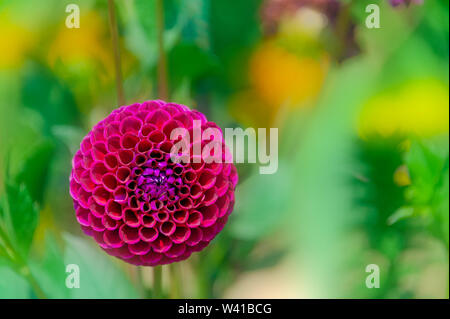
284	78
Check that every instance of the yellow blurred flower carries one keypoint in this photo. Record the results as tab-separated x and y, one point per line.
83	48
401	176
15	42
281	77
247	108
418	108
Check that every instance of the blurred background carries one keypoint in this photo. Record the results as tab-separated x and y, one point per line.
363	119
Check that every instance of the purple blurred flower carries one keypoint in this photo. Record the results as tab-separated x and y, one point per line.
134	200
272	11
396	3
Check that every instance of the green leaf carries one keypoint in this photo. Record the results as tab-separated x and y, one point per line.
21	217
50	270
100	276
34	171
428	163
46	94
69	135
261	204
400	214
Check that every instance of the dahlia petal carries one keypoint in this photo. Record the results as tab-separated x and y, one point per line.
96	209
109	223
151	258
181	234
113	143
99	151
112	129
144	146
167	228
162	216
130	125
147	129
175	251
101	195
195	237
195	219
120	194
109	181
129	234
140	248
86	181
180	217
223	203
111	161
112	239
85	145
148	221
131	218
97	171
125	156
82	215
83	197
158	117
206	179
209	232
210	196
161	244
98	237
209	214
156	137
148	234
123	173
129	140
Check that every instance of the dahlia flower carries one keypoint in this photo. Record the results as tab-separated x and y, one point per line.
138	203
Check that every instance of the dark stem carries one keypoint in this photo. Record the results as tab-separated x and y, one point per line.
116	49
163	87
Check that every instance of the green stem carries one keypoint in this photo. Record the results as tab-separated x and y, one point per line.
21	266
163	87
26	273
175	288
157	281
116	49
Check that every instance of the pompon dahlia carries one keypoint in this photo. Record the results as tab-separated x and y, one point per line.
138	203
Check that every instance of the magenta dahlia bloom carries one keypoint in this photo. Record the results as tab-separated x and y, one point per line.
134	200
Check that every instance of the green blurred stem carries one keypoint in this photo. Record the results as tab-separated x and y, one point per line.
163	87
157	281
175	288
116	49
26	273
20	266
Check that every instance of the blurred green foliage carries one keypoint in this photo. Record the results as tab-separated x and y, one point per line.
338	202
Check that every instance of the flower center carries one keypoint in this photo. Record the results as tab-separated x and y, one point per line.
155	187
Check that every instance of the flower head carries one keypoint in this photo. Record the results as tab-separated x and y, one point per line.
134	200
